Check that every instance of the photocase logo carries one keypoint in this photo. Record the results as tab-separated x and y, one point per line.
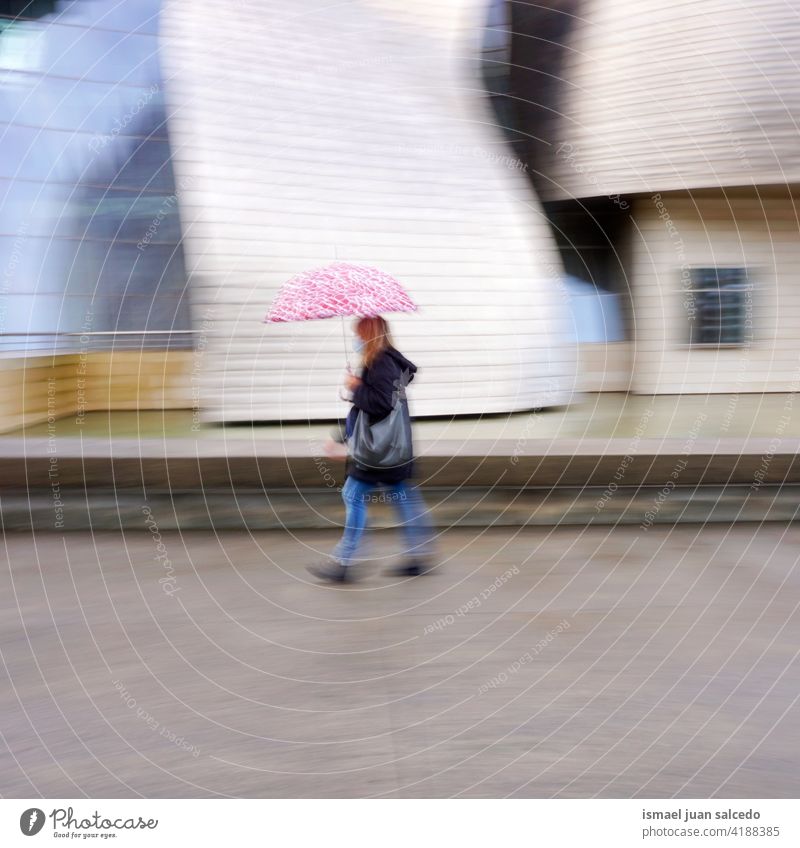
31	821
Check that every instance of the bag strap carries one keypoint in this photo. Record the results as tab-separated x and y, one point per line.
400	385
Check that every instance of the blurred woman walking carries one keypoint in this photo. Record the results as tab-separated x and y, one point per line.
375	394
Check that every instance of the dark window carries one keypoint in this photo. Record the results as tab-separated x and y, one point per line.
717	302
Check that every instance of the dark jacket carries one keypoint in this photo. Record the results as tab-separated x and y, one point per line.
374	396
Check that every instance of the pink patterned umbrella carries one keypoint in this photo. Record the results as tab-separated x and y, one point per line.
338	289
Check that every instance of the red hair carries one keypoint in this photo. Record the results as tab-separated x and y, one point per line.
374	332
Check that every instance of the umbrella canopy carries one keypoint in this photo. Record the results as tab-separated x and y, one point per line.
339	289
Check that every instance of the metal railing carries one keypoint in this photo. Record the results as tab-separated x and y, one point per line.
42	343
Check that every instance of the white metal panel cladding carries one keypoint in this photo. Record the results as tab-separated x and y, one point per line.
674	94
307	133
754	229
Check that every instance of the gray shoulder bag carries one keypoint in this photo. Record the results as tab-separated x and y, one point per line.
386	443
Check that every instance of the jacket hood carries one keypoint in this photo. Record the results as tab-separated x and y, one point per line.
405	364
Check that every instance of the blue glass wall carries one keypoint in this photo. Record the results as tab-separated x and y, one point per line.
89	228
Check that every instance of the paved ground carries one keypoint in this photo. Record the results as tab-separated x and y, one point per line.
616	662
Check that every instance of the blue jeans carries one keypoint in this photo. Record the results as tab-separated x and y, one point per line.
407	500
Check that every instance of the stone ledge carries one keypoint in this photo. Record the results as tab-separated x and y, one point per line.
213	467
272	509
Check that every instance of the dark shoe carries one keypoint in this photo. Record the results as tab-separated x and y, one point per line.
331	572
410	568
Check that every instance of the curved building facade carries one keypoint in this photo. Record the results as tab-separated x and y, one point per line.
667	96
667	161
307	134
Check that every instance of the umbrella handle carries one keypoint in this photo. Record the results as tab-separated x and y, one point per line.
344	341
